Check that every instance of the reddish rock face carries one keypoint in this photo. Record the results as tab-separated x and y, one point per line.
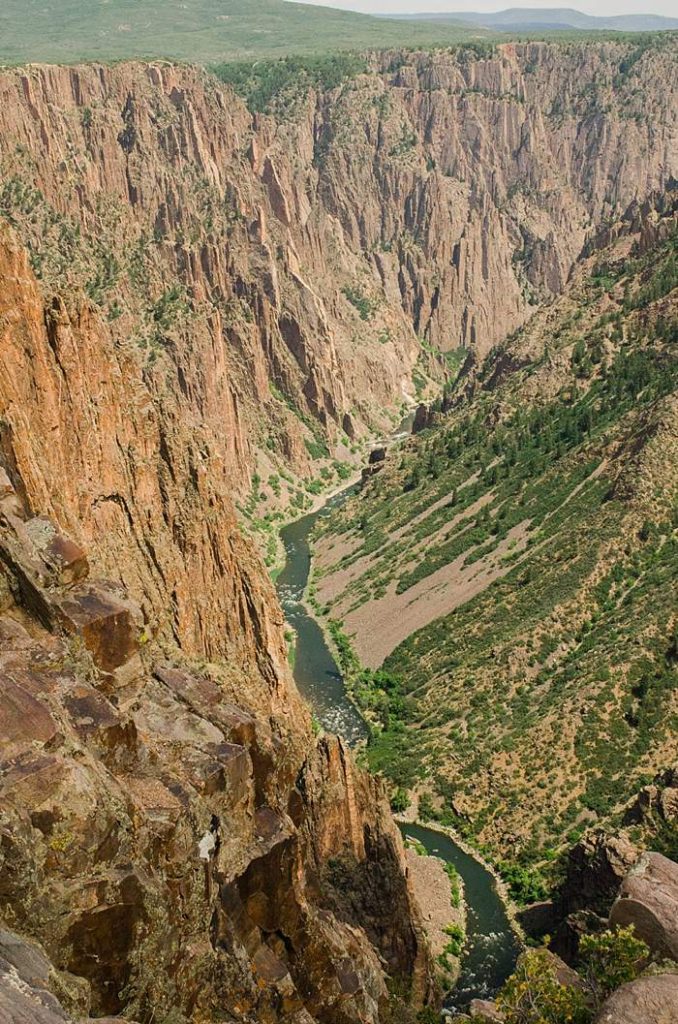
146	839
211	255
174	265
160	867
109	627
645	1001
448	191
65	560
648	900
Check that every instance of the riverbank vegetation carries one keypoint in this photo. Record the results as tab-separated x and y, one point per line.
543	507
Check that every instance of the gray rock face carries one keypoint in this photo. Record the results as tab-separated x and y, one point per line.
644	1001
648	899
25	977
24	974
30	963
21	1004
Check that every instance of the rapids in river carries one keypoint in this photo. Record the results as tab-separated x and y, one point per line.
492	946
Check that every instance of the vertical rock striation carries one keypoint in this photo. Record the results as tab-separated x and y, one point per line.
189	293
436	197
165	813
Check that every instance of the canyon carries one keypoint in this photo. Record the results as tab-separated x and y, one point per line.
503	588
205	310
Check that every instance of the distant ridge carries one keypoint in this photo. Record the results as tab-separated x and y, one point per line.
200	31
548	19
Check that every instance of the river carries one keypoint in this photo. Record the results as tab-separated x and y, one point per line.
492	946
315	670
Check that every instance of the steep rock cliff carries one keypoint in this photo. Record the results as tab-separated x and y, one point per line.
190	293
280	271
496	592
165	813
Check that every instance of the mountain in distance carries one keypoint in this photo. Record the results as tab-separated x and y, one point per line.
528	19
205	32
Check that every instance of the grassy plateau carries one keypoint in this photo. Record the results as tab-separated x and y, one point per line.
201	31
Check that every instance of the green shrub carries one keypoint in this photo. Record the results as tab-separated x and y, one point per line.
400	800
359	301
264	82
610	959
533	994
525	884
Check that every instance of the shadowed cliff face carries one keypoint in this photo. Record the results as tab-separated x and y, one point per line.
165	812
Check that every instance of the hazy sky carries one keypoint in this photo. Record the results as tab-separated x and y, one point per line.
600	7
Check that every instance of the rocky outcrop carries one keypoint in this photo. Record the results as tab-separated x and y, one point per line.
165	829
32	991
375	464
604	868
188	293
485	1010
644	1001
596	867
646	903
657	802
648	900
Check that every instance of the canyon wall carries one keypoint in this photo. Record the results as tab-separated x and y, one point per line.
485	568
286	275
167	818
193	298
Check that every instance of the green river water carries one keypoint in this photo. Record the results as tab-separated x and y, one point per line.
492	947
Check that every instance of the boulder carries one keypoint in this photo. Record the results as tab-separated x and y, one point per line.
22	1004
65	562
27	959
32	991
640	808
644	1001
564	974
485	1010
648	900
24	718
657	800
539	919
107	624
552	963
